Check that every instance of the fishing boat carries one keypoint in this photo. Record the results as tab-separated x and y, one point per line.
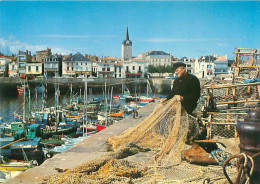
55	140
117	114
5	140
100	127
126	94
26	145
63	128
21	90
12	167
146	99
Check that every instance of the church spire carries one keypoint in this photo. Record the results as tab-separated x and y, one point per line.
127	35
127	47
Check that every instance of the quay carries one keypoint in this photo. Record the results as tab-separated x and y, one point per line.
90	148
161	85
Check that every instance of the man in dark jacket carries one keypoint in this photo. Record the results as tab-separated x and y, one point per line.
186	88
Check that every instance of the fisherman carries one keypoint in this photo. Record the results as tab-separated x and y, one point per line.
186	88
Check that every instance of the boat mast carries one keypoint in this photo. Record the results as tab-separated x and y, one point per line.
122	87
70	94
147	88
106	100
24	102
111	100
44	91
57	94
85	117
29	101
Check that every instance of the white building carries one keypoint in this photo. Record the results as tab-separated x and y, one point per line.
21	61
76	65
51	65
190	64
221	67
4	62
33	69
105	70
156	57
83	66
13	69
205	67
135	68
68	68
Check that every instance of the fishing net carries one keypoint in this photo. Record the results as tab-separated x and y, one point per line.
164	130
163	134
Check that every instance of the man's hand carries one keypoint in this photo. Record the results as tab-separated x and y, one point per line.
179	98
163	100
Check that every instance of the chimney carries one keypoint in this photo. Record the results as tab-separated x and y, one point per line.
30	54
26	52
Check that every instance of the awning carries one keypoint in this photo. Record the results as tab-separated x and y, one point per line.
133	74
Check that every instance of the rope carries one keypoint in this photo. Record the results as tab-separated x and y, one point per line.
242	167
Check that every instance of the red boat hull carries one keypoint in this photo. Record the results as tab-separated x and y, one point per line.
100	127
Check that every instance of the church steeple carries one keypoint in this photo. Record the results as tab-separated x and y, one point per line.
127	35
127	47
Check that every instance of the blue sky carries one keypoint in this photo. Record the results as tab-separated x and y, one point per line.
189	28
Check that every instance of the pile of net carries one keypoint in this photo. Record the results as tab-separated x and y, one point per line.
163	133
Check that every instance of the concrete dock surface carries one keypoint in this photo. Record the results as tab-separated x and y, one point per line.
90	148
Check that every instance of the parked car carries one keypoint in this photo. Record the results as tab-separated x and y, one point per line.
170	77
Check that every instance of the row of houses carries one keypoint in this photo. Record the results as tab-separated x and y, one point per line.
208	66
57	65
78	65
75	65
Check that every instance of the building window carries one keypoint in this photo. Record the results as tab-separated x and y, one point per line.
133	67
37	68
140	69
103	69
68	68
108	69
29	68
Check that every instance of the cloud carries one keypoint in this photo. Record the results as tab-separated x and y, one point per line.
165	40
78	36
12	45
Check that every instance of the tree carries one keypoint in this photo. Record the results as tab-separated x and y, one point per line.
168	69
6	71
161	69
151	69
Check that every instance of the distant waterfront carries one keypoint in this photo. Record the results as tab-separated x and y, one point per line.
159	85
10	101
